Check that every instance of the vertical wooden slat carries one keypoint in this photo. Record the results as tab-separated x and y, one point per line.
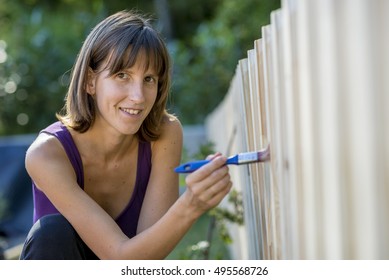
290	71
273	186
264	141
358	127
306	117
381	45
241	174
257	251
258	170
279	108
249	214
236	144
263	168
326	95
254	172
271	183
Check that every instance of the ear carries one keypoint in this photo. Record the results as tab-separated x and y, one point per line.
91	82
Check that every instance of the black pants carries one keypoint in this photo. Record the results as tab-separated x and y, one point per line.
53	238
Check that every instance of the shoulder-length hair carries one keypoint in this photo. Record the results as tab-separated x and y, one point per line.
115	44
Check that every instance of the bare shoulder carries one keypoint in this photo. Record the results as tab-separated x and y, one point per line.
171	137
44	154
171	129
45	146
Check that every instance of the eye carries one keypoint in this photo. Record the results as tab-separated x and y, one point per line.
150	79
122	75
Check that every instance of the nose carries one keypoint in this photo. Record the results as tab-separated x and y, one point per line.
136	92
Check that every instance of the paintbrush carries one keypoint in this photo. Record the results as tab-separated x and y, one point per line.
238	159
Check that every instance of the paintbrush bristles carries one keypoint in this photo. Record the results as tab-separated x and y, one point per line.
264	155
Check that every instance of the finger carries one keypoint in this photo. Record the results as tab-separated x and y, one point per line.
201	186
213	178
212	156
206	170
218	197
216	187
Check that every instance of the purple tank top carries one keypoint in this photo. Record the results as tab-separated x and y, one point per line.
128	219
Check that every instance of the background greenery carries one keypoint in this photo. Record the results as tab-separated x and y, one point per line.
40	39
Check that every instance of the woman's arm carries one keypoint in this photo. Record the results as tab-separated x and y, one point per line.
52	172
205	189
162	189
48	166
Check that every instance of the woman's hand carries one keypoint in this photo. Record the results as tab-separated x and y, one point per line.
208	185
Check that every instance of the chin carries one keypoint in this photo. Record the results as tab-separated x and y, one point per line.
129	131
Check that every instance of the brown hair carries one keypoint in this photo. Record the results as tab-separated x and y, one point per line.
115	44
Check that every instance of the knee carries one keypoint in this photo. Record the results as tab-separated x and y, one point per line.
52	229
51	232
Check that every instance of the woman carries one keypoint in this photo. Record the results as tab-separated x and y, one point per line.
103	179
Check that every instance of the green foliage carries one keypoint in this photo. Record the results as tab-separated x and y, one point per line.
204	150
186	16
211	241
194	243
40	52
40	40
205	64
223	216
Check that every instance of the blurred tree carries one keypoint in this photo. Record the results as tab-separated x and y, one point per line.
39	41
40	45
206	62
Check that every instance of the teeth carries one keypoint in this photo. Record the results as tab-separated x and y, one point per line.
131	111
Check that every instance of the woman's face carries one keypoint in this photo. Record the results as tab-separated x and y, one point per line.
124	100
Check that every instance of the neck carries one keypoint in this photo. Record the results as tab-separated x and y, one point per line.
105	146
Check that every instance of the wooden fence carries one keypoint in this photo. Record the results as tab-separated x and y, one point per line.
315	87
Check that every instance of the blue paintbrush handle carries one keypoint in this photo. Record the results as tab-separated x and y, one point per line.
194	165
242	158
190	166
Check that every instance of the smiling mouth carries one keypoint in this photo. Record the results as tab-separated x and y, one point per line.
130	111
